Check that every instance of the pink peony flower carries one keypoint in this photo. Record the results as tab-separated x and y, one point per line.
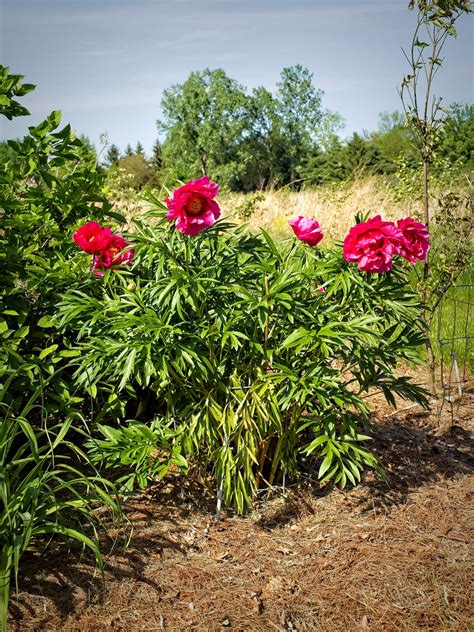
92	238
415	240
306	229
372	245
112	255
192	206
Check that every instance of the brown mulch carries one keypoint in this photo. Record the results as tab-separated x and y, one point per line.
376	557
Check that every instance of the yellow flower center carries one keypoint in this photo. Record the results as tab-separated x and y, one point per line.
194	207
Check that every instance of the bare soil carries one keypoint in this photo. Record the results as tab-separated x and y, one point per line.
377	557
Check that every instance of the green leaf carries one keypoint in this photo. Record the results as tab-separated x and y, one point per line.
47	351
45	322
326	464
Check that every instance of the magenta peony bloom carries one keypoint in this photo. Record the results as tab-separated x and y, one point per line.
192	206
415	240
92	238
372	245
306	229
112	255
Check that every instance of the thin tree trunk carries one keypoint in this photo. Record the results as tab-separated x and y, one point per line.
426	269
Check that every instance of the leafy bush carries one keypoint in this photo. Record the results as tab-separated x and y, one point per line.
48	185
48	486
255	353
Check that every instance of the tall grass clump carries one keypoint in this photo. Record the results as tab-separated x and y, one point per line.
48	486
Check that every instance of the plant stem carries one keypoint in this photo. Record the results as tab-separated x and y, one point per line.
220	489
426	270
267	319
220	494
261	460
5	577
276	459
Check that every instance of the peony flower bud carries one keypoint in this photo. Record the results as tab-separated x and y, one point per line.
306	229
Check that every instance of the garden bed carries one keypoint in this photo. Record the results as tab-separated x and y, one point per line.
371	558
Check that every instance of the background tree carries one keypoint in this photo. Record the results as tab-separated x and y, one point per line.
128	150
331	123
157	155
211	125
456	140
139	149
326	166
112	156
363	156
204	121
137	171
299	106
393	139
264	146
355	157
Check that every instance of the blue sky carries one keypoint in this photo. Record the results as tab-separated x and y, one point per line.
105	63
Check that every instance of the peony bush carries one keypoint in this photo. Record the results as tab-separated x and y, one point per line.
253	358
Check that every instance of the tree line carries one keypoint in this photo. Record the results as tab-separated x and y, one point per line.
248	141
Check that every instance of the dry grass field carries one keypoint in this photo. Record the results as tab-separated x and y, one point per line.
334	207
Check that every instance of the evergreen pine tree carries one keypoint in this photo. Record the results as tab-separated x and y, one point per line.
113	155
157	157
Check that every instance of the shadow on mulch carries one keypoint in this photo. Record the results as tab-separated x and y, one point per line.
75	580
412	453
413	457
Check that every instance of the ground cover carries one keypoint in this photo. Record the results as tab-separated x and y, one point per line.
377	557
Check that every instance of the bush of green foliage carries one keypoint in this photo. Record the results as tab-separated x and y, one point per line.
255	354
48	485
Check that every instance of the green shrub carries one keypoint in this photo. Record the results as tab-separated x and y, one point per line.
49	182
229	339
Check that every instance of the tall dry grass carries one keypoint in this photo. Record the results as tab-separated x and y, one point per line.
333	206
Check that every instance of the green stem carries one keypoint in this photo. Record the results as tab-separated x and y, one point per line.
187	245
267	319
5	578
284	435
276	459
261	461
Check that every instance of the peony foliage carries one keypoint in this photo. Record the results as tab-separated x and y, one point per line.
259	356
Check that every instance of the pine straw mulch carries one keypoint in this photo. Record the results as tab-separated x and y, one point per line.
372	558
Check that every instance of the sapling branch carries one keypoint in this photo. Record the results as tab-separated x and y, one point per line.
439	25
